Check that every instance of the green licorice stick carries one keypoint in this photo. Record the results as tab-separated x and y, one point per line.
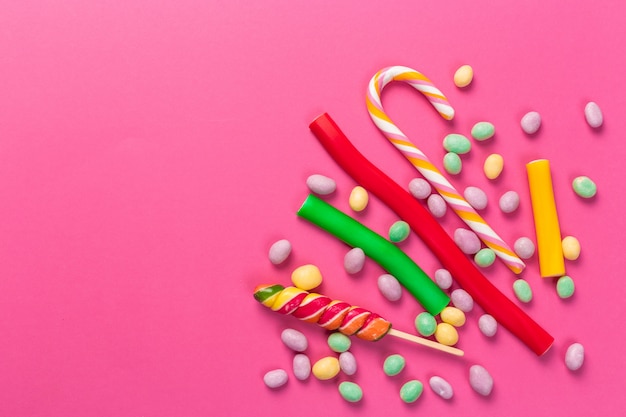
385	253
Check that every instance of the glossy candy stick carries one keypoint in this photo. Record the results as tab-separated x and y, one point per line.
428	229
389	256
336	315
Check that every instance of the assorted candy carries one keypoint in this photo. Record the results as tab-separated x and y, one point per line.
571	248
463	76
480	380
488	325
276	378
279	251
301	366
483	130
575	356
389	287
354	261
339	342
326	368
306	277
522	290
358	198
411	391
584	187
452	163
394	364
531	122
441	387
321	184
593	115
493	166
565	287
350	391
294	340
347	363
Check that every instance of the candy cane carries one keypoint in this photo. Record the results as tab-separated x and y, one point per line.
421	162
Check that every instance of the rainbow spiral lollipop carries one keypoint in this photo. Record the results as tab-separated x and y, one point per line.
421	162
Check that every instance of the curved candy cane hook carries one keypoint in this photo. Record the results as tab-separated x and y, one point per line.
421	162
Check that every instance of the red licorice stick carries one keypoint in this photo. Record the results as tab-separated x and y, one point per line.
430	231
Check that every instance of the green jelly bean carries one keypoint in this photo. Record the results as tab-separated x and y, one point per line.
565	287
485	257
339	342
399	231
457	143
394	364
411	391
584	187
483	131
350	391
522	291
425	324
452	163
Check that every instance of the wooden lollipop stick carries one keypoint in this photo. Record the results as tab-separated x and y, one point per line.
425	342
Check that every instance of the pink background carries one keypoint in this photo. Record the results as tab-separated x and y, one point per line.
151	151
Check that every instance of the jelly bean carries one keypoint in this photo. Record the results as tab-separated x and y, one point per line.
575	356
326	368
509	202
584	187
394	364
453	316
531	122
463	76
485	257
279	251
301	366
571	248
480	380
452	163
354	261
294	340
389	287
488	325
593	114
420	188
457	143
565	287
443	278
494	164
437	205
306	277
321	184
425	324
347	363
476	197
522	290
524	248
483	131
339	342
399	231
467	241
462	300
276	378
441	387
358	198
350	391
446	334
411	391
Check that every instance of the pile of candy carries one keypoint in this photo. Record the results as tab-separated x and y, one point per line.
438	324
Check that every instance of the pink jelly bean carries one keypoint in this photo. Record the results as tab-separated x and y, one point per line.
467	241
476	197
437	205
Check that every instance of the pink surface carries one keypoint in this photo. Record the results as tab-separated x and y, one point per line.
151	151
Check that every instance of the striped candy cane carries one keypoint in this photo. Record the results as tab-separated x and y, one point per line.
421	162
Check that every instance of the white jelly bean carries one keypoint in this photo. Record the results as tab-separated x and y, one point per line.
354	260
276	378
437	205
321	184
420	188
467	241
279	251
443	278
441	387
347	363
301	366
476	197
593	114
531	122
509	202
462	300
524	248
480	380
294	340
488	325
389	287
575	356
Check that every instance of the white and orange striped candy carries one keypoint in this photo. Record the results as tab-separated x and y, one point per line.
421	162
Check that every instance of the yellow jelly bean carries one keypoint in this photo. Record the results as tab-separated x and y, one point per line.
306	277
358	198
446	334
326	368
453	316
571	248
463	76
493	166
